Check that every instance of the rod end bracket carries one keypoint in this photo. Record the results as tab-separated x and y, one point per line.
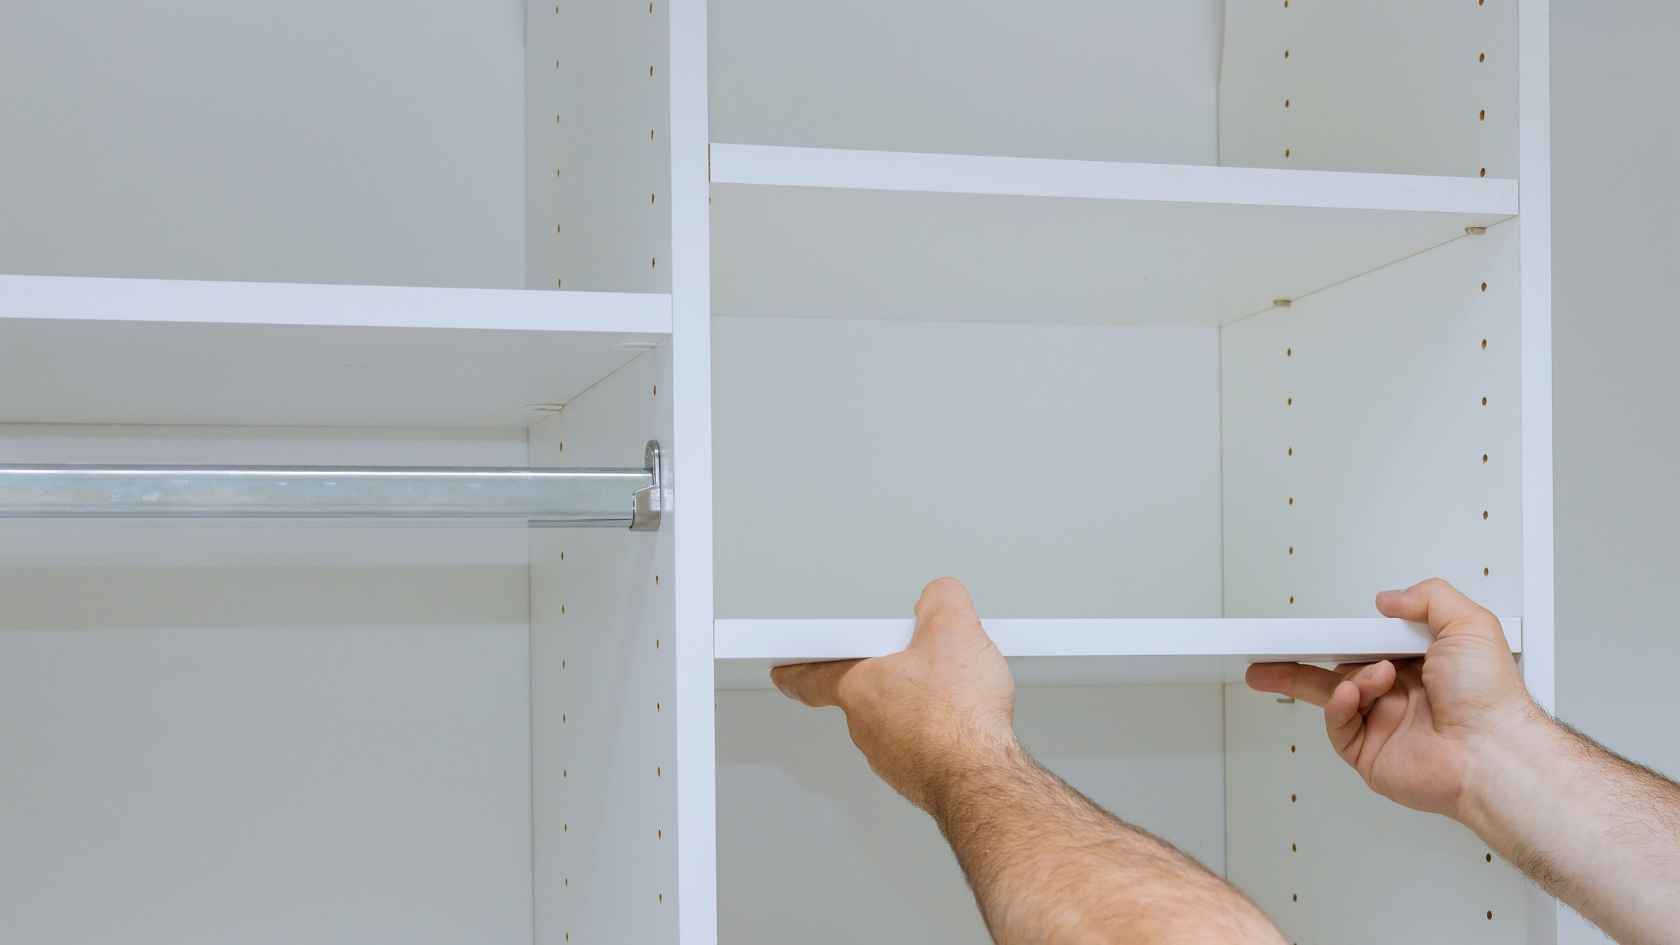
650	500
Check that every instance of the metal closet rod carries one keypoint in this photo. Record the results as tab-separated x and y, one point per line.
557	497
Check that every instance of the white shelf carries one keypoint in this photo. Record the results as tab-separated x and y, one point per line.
84	350
832	233
1086	652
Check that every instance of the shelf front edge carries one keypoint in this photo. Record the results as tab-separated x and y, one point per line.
363	306
1337	639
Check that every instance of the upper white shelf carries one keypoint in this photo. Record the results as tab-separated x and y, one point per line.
86	350
768	165
1086	652
877	234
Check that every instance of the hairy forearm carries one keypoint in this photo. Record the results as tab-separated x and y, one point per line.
1593	829
1049	866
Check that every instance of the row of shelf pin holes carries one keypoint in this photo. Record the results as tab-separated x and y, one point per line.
1480	58
1290	402
1296	897
653	261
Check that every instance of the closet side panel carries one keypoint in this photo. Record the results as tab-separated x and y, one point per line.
603	679
597	146
1372	436
1423	87
1330	861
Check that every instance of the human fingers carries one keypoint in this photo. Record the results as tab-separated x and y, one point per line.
1296	680
815	684
1444	608
944	609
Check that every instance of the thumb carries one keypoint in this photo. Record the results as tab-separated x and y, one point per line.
1444	608
815	684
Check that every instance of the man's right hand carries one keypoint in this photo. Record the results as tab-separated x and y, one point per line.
1416	730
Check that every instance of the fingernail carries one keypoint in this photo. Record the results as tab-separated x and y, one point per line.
1397	593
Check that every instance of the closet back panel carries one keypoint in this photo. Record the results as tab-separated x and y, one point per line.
227	730
809	839
370	142
1067	79
1058	470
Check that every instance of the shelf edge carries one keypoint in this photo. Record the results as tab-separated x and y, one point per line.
282	303
772	165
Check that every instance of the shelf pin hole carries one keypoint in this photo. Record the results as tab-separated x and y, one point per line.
1484	172
1484	516
1483	116
1474	230
1483	58
1484	459
1484	572
1484	344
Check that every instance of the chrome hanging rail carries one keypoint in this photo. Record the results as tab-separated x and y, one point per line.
576	497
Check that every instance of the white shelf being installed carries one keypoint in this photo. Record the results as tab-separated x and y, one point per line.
1087	652
87	350
876	234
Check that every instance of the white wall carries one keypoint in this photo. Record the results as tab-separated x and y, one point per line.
263	732
1615	134
372	141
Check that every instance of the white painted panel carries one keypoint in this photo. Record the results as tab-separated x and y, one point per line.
809	839
1061	471
604	718
1423	87
373	141
1083	79
241	731
690	469
1101	180
834	252
597	146
1088	652
1332	862
1355	434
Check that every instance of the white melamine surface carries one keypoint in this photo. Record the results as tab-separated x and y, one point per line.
1087	652
78	350
826	250
1100	180
603	677
1125	81
357	306
1354	437
1331	861
810	840
374	141
1060	471
242	731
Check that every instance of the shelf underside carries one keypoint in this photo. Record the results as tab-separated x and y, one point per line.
168	352
1087	652
838	234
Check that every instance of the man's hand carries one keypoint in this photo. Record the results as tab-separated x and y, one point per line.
936	722
1457	734
942	707
1414	730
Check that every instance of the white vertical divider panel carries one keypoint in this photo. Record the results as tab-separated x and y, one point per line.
1535	224
1373	441
1330	861
1422	87
597	149
690	469
603	685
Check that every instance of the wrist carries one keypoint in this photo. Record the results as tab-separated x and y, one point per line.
1507	772
983	768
